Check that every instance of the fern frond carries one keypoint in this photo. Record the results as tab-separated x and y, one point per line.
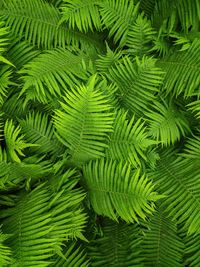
120	245
138	82
20	53
192	250
178	178
37	21
3	43
114	191
166	123
73	256
117	16
43	81
161	245
147	6
140	36
105	62
81	14
192	148
15	142
129	140
84	123
5	82
15	175
182	71
189	14
13	107
38	129
42	219
194	106
5	251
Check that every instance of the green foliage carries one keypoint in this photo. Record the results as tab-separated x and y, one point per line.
111	185
119	245
99	133
161	236
85	122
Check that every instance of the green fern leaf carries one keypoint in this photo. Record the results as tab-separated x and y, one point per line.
64	69
119	245
162	246
129	140
138	82
81	14
115	191
84	123
15	143
178	178
166	124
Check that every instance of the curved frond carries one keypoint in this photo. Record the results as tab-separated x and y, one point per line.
15	142
43	81
129	140
3	43
13	107
20	174
115	191
161	245
84	123
81	14
166	123
194	106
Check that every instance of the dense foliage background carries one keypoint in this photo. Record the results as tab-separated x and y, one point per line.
100	133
